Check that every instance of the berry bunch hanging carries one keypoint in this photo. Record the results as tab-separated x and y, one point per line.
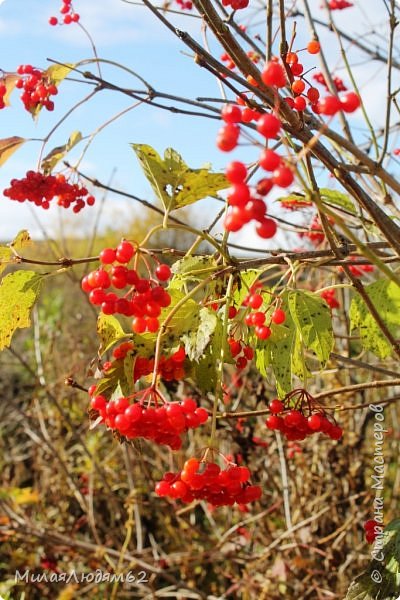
67	15
146	414
42	189
143	299
37	88
299	416
201	480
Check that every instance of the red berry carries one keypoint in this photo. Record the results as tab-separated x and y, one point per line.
276	406
269	160
163	272
350	102
313	47
268	125
274	74
236	172
231	113
266	228
278	316
283	176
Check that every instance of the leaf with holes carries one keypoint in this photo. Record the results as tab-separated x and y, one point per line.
110	331
385	296
197	339
18	293
313	319
173	182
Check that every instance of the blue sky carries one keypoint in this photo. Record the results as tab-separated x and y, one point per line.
132	36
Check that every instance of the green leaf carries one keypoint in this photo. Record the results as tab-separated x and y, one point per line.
295	200
385	296
382	577
278	351
6	252
313	319
197	339
8	146
18	293
338	199
191	269
173	182
58	153
246	280
205	369
109	331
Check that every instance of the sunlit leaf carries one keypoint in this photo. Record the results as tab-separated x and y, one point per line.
6	252
58	153
173	182
8	146
385	296
18	293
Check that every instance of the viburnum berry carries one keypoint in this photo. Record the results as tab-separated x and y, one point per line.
266	228
330	105
268	125
283	176
227	138
274	74
236	172
269	160
231	113
298	86
299	103
276	406
313	47
350	102
278	316
163	272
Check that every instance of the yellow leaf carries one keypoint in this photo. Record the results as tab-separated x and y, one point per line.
6	252
8	146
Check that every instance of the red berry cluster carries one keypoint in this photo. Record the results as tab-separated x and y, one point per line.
68	15
315	233
147	419
185	4
358	270
298	416
170	369
42	189
331	105
339	4
257	318
201	480
236	4
37	88
372	528
330	298
337	82
144	299
301	98
241	352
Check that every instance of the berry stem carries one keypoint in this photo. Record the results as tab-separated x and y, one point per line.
220	364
